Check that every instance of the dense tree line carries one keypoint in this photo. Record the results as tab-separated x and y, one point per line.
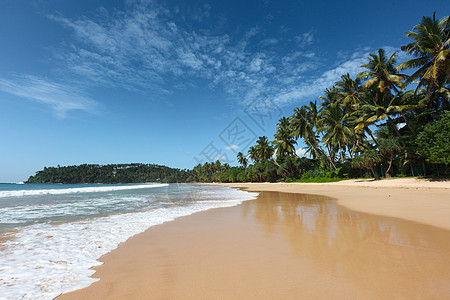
373	122
114	173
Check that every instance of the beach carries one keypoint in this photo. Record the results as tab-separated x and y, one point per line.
351	239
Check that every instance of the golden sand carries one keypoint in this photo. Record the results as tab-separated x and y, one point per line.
281	246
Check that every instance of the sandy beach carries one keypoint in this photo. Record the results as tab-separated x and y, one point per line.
370	240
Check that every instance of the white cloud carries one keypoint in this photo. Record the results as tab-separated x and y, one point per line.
61	98
222	158
315	86
305	39
147	48
301	152
232	147
268	42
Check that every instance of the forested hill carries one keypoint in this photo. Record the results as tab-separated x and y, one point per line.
114	173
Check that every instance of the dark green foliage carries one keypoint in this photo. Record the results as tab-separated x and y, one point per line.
434	141
118	173
367	160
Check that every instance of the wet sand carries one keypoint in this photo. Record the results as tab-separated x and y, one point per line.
419	200
280	246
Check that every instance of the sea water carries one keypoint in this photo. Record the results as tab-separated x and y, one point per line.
52	234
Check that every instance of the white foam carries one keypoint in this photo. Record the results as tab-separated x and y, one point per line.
45	260
92	189
22	214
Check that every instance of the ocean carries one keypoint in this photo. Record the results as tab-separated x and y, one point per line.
52	234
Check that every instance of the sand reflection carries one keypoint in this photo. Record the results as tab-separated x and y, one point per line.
391	257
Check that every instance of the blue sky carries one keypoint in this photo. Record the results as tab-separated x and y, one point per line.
173	82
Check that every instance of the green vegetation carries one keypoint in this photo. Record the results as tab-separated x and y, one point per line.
371	125
368	126
123	173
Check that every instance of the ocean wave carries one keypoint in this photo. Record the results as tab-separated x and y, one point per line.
44	260
92	189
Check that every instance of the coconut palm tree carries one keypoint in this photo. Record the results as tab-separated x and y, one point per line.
431	48
363	122
331	97
303	127
242	159
263	148
376	107
253	154
381	73
284	141
336	125
348	90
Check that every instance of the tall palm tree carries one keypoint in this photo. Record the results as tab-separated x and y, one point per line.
408	102
242	159
376	107
364	121
348	90
263	148
284	141
303	127
431	48
336	125
381	72
253	154
331	97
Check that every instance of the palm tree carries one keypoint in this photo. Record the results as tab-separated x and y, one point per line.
264	150
331	97
348	90
376	109
284	141
338	132
364	121
242	159
304	128
253	154
408	102
381	72
431	48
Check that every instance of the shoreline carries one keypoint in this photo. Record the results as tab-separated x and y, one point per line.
210	242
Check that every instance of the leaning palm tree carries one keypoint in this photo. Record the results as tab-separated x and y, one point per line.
364	121
376	107
242	159
381	74
408	102
431	48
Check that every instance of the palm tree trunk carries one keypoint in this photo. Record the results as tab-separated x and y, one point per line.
373	138
396	130
340	150
424	167
310	144
409	126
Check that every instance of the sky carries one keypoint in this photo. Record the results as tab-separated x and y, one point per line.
174	82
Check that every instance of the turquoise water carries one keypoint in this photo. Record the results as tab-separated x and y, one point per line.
51	234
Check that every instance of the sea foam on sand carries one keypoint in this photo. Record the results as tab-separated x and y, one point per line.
44	260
